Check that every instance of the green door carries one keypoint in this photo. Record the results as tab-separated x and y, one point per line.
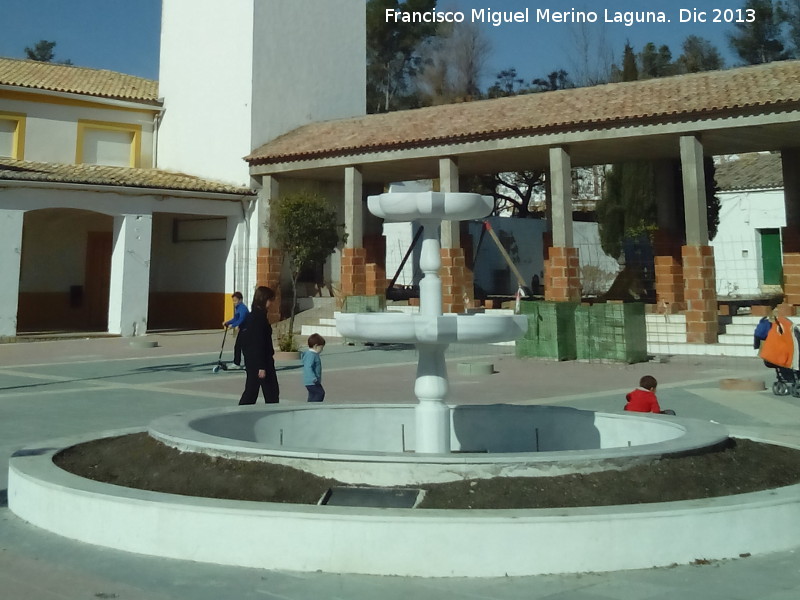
771	259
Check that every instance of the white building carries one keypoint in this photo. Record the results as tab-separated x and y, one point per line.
747	247
101	228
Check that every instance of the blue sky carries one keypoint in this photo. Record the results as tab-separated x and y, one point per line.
123	35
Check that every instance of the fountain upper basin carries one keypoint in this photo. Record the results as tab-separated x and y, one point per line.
451	206
400	328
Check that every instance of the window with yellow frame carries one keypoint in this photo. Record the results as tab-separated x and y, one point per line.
12	135
114	144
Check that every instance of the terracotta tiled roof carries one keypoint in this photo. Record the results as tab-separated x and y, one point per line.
750	172
77	80
22	170
760	88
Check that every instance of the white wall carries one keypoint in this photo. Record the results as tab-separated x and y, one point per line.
737	246
185	266
308	64
51	129
205	78
237	74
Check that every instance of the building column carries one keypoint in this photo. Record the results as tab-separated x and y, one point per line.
562	266
699	272
354	255
11	250
269	261
130	275
790	235
458	291
666	243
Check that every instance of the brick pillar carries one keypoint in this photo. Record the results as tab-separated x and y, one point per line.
668	273
457	283
791	278
700	292
353	275
562	275
375	269
268	272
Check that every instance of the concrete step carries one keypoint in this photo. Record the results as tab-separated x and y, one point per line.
699	349
741	340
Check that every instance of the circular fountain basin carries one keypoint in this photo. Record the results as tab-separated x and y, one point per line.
374	444
450	206
400	542
401	328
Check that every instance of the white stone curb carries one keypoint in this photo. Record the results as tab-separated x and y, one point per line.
403	542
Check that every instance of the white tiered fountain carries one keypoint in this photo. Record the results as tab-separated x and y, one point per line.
431	330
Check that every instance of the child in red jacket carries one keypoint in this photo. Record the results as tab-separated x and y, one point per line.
643	398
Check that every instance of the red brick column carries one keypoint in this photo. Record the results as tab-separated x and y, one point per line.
353	273
269	262
700	292
791	278
375	268
457	282
668	273
562	275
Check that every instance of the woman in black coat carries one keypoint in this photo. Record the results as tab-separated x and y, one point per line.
258	351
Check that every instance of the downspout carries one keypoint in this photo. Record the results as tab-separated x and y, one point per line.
156	126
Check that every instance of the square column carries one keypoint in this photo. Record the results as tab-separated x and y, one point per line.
562	266
11	251
130	275
700	276
269	261
699	272
354	255
790	235
458	289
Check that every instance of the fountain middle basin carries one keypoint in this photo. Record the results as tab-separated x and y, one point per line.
374	444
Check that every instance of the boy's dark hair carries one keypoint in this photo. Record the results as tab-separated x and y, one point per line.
648	382
315	339
237	295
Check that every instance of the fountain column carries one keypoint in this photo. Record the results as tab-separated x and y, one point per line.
432	415
431	331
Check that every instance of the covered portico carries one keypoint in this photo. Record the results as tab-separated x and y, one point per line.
91	247
678	119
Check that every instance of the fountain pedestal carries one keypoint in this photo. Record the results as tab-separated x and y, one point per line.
430	330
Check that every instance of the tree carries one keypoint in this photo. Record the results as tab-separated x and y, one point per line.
630	71
454	62
555	80
699	55
760	41
305	229
790	14
392	53
42	51
655	62
592	56
506	83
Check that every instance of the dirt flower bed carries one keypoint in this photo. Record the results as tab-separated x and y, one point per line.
139	461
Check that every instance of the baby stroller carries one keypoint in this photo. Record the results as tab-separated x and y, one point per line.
779	343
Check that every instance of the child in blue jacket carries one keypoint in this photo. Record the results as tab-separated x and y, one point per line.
312	368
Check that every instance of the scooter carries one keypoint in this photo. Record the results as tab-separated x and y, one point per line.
220	364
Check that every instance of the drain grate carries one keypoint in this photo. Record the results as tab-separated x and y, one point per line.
372	497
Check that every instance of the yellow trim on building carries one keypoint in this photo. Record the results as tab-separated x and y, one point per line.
18	143
42	97
136	141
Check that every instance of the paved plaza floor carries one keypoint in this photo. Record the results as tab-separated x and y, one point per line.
52	389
